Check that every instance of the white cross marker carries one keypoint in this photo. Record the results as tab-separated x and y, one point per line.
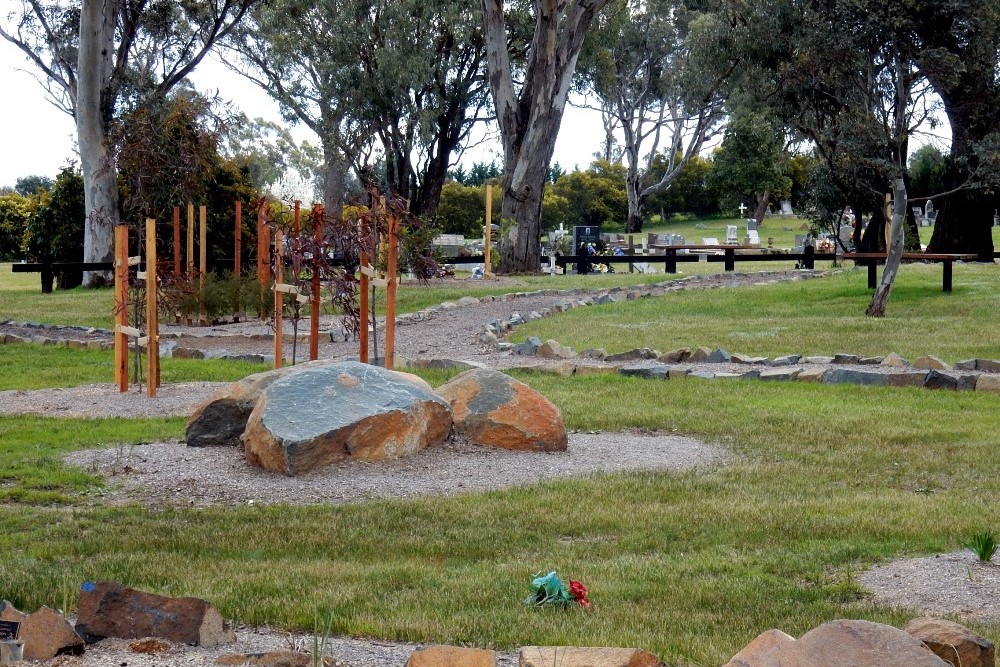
743	208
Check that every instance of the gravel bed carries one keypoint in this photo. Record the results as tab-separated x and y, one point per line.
104	400
173	473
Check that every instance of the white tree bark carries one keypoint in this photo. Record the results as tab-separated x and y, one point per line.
895	246
94	64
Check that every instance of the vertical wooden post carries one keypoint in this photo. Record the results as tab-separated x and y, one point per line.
237	264
279	301
631	252
263	250
202	256
390	298
363	287
190	251
177	242
121	307
488	240
314	296
238	238
152	320
190	242
296	244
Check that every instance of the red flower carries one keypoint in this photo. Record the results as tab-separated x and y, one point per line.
579	593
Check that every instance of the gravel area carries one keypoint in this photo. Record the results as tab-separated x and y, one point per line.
172	473
954	583
104	400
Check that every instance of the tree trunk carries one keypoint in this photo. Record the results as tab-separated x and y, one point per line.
334	175
529	119
896	235
762	205
94	62
635	201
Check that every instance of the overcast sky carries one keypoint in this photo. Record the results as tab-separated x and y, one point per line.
37	138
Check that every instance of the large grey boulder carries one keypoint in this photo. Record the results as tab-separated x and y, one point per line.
221	419
328	413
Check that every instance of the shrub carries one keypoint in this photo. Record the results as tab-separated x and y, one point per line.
984	545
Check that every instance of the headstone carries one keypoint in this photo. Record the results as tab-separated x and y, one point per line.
752	225
731	234
786	207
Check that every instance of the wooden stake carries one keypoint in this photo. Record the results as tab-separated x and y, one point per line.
295	239
263	250
121	307
202	257
237	266
314	312
177	241
279	301
190	250
152	321
363	331
487	246
190	242
238	241
390	299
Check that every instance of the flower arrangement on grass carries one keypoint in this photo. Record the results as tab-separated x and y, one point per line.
550	590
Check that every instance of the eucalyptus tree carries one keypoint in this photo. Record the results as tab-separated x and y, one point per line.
99	58
400	82
662	87
530	82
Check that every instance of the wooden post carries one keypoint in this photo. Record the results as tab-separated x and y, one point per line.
279	302
631	253
237	265
202	257
363	287
190	242
121	307
390	298
314	296
190	251
177	241
263	250
296	244
152	321
238	240
488	240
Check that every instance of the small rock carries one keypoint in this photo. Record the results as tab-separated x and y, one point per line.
468	301
893	360
551	349
846	359
747	359
939	380
699	355
579	656
788	360
632	355
109	609
647	371
952	642
817	360
871	361
677	356
47	634
719	356
529	347
451	656
989	383
780	374
929	362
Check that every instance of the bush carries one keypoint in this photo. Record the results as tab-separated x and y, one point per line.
55	232
15	212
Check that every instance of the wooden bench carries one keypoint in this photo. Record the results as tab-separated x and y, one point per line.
873	259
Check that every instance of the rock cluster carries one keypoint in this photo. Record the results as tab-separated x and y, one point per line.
297	419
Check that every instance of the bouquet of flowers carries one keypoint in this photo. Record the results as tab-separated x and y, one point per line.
550	590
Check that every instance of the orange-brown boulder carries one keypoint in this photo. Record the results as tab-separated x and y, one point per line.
452	656
584	656
47	634
109	609
838	644
953	643
493	409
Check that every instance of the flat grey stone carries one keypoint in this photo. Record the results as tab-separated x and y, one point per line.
788	360
907	379
941	380
646	371
719	356
871	361
701	374
817	360
780	374
846	359
747	359
853	376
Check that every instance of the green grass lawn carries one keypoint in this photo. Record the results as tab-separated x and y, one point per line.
824	480
822	316
690	566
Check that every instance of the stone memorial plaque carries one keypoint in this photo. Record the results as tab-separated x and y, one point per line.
8	630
